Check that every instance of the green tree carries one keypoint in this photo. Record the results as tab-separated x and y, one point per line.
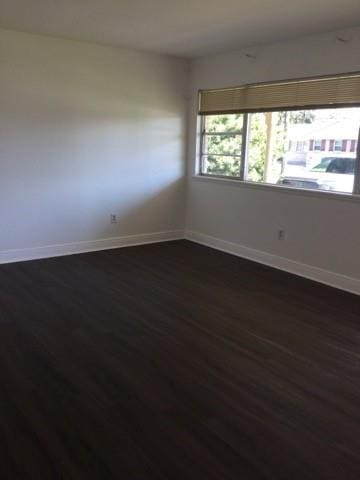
257	147
223	140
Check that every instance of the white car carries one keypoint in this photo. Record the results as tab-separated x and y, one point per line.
332	173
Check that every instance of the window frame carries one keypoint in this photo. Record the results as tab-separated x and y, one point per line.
244	154
244	137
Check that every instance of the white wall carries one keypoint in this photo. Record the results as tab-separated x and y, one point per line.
322	232
86	131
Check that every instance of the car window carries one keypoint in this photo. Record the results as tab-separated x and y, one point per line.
322	166
341	165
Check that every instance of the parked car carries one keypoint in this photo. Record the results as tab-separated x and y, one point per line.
332	173
293	158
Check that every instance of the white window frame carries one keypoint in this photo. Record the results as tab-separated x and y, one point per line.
242	155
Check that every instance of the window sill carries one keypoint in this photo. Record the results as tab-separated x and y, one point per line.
324	194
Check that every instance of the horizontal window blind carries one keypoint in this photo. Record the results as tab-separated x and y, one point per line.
342	90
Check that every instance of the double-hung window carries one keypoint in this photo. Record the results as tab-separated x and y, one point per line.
292	133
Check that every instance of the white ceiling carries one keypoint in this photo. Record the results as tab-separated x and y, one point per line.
186	28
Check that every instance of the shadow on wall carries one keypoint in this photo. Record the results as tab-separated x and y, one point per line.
162	210
159	208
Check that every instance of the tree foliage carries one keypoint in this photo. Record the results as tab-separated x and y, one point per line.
226	139
223	140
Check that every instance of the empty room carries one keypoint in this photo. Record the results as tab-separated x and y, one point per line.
179	240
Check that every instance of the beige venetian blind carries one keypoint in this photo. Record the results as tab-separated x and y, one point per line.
340	90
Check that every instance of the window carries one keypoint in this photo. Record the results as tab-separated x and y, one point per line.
317	145
274	147
221	144
301	148
338	145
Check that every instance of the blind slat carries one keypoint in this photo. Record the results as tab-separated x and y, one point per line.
339	90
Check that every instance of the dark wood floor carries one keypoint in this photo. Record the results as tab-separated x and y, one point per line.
175	361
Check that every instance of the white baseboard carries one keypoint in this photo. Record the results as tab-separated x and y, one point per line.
332	279
33	253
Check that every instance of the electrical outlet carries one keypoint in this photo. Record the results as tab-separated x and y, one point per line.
113	218
281	234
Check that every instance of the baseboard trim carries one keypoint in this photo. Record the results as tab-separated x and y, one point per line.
48	251
332	279
326	277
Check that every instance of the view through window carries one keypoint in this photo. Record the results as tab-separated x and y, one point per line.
312	149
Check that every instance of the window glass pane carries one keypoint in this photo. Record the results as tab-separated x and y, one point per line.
305	149
224	123
338	145
256	147
317	145
221	144
221	165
